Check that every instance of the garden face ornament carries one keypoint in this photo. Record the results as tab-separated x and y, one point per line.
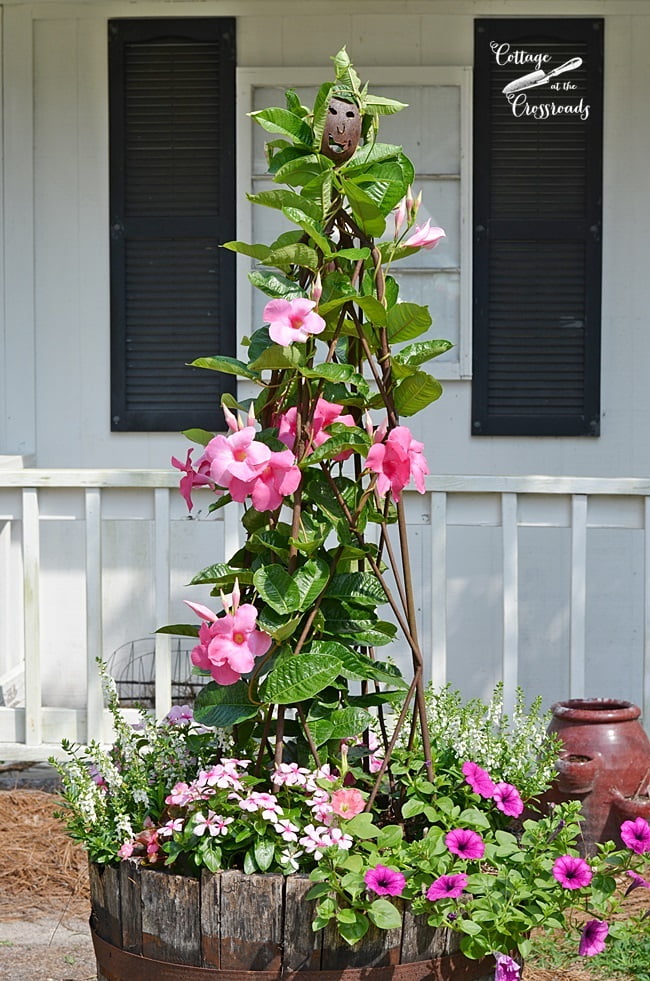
342	130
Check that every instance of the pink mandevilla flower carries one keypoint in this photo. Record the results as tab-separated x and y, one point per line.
384	881
228	645
447	887
478	779
236	457
396	459
572	872
425	236
347	802
636	835
191	477
508	800
507	969
592	941
278	478
325	414
465	843
292	320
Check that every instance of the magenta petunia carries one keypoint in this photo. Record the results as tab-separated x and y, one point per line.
572	872
592	941
507	968
507	799
447	887
465	843
636	835
384	881
478	779
637	880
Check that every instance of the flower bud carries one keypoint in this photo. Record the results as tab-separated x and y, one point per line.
317	288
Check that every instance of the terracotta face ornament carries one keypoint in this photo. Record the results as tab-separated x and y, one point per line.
342	130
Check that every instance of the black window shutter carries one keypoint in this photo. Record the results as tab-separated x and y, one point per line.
172	201
537	229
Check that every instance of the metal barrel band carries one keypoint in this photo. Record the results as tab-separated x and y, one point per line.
117	964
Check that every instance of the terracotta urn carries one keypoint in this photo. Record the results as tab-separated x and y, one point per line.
605	764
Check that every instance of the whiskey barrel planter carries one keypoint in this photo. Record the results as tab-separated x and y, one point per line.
149	925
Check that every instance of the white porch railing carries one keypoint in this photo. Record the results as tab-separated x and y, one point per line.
30	728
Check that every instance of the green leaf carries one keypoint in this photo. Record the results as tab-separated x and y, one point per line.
413	807
298	254
384	915
221	574
353	932
223	705
422	351
200	436
277	624
264	853
277	120
302	170
407	320
340	724
298	217
383	107
244	248
373	309
275	286
352	254
277	357
310	581
321	108
227	365
415	393
362	587
390	836
298	677
277	588
281	198
337	373
361	826
180	630
366	212
353	439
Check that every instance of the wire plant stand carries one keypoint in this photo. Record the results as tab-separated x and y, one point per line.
133	668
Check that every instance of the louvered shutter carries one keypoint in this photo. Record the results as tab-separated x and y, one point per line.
537	229
172	188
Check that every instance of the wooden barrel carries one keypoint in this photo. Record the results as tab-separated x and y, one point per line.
149	925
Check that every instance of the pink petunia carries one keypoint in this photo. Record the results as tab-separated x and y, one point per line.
447	887
636	835
425	236
592	941
325	414
637	880
507	968
397	459
478	779
384	881
228	644
192	478
126	850
465	843
292	320
572	872
508	800
347	802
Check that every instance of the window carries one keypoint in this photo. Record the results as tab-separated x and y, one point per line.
537	227
172	199
434	131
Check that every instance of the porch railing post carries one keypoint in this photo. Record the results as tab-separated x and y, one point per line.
31	622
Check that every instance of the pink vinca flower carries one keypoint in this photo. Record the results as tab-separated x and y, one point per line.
228	644
507	968
508	800
237	457
397	459
447	887
347	802
292	320
478	779
572	872
425	236
277	479
192	478
384	881
592	941
325	413
465	843
636	835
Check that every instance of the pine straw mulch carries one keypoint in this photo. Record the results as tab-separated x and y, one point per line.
41	868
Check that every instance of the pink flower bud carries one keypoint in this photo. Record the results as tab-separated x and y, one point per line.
317	289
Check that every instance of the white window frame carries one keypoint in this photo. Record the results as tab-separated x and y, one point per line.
248	79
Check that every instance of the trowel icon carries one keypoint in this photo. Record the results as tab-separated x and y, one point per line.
540	77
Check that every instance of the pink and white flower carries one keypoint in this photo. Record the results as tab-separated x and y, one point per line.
228	644
425	236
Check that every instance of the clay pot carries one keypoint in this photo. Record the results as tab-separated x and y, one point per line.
606	761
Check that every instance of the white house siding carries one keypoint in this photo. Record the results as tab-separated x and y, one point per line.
54	381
